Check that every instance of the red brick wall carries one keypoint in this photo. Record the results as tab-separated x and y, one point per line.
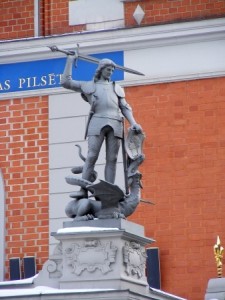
55	18
17	16
185	152
55	14
24	163
17	19
167	11
184	174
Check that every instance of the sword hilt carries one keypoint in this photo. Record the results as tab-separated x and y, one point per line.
67	52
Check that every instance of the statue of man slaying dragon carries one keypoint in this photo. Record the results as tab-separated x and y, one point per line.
105	123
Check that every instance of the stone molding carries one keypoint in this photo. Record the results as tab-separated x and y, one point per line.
91	255
134	258
113	40
132	41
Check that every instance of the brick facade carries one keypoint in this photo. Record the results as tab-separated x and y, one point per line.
24	163
185	152
17	19
184	175
169	11
55	18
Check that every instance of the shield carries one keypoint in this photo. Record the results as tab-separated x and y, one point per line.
134	143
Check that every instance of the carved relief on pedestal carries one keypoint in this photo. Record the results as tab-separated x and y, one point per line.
91	255
134	258
54	264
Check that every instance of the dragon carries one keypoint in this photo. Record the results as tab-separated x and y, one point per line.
106	200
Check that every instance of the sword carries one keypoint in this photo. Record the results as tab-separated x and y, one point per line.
147	202
92	59
124	153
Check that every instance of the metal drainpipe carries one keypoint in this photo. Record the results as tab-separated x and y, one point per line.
36	18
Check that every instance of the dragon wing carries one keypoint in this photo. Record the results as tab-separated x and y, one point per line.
106	192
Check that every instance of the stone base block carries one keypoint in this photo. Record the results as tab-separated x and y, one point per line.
108	254
109	223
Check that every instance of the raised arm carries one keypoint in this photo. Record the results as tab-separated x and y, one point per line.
66	79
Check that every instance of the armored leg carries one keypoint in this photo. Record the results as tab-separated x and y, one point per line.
94	146
112	149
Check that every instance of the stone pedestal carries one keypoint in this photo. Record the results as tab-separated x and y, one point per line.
105	260
108	254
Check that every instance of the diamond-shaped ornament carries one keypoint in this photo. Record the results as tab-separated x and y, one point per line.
138	14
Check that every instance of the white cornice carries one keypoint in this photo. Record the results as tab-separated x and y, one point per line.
165	53
114	40
124	83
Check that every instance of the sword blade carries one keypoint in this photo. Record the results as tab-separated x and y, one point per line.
147	202
93	59
88	58
128	70
118	67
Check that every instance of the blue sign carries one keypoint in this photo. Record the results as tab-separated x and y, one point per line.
45	74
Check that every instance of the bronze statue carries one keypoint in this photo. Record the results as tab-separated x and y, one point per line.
105	123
